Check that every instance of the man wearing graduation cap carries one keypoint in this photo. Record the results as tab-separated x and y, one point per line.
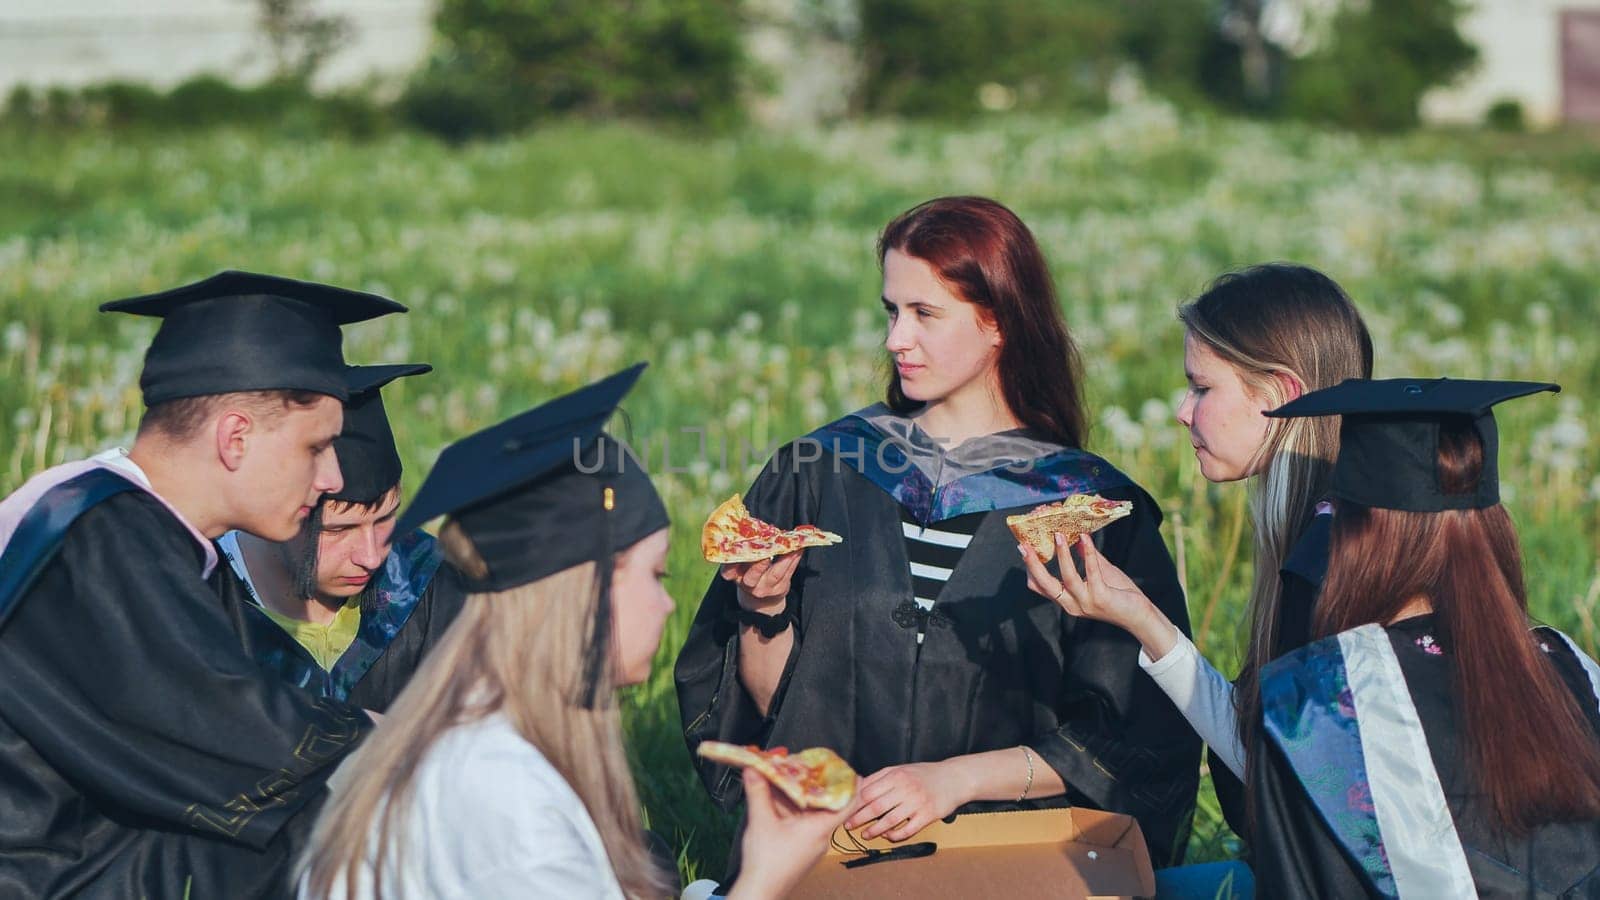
347	609
1434	742
142	752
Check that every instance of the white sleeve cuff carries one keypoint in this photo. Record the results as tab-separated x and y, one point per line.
1180	652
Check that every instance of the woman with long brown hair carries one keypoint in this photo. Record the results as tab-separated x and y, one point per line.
500	771
1253	340
914	648
1433	742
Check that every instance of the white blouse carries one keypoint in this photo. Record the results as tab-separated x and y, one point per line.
491	818
1204	697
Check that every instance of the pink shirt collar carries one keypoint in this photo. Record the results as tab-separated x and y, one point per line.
15	506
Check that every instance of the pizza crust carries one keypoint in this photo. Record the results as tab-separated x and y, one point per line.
1076	515
722	523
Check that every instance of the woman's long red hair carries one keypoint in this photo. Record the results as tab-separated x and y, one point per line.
1530	747
986	256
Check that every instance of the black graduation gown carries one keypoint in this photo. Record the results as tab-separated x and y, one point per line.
141	753
1299	581
1297	856
419	596
1000	666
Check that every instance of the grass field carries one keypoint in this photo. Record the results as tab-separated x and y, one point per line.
742	267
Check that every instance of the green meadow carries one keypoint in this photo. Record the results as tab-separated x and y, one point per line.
742	268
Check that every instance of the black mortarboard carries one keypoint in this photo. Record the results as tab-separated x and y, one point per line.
1389	437
544	491
368	458
531	491
238	331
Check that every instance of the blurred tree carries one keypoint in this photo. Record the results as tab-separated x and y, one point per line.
301	38
1358	63
954	57
501	64
1379	58
1172	42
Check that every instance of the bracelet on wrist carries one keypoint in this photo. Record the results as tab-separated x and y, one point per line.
1027	755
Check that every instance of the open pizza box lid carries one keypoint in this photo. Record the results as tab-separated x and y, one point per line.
1066	854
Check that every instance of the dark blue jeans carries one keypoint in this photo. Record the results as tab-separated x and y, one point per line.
1206	881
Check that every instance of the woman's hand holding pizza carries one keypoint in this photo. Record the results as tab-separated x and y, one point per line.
906	799
759	557
1104	592
764	584
781	841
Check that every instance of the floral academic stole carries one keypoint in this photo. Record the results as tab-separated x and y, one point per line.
882	460
1341	713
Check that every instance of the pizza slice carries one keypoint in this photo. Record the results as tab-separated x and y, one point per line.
1077	514
732	535
816	778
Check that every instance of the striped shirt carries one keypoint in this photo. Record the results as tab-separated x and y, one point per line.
934	552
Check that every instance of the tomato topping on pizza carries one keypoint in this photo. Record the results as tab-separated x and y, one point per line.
732	535
816	778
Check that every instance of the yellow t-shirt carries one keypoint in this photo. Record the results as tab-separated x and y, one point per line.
325	643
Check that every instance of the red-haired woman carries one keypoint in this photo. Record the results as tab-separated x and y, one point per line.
915	648
1433	742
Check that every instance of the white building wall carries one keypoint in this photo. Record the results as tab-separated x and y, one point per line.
1519	49
162	42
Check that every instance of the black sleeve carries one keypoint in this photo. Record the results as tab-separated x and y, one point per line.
122	671
712	701
1293	855
1122	745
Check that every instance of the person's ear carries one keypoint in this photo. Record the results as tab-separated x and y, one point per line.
234	430
989	327
1290	387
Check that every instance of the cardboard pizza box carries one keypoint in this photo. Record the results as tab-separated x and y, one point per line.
1064	854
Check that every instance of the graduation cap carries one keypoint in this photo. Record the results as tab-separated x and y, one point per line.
1389	437
544	491
239	331
367	454
537	480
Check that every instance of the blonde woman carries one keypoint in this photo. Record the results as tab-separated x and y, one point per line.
500	771
1254	340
